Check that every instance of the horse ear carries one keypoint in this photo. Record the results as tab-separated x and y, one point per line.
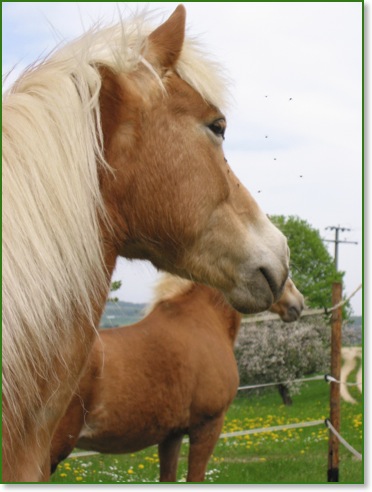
165	43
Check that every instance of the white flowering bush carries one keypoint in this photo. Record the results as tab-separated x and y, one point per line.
281	352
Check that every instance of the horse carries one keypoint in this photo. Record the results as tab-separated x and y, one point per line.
171	374
112	146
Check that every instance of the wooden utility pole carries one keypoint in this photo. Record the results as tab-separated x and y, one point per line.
333	444
337	240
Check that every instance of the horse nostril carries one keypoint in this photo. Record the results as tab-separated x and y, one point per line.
271	282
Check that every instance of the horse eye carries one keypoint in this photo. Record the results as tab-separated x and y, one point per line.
218	127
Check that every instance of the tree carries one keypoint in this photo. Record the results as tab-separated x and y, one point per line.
114	286
277	352
312	267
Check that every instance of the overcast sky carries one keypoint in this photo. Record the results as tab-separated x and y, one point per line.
295	128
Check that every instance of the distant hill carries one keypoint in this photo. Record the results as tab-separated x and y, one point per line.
355	321
121	313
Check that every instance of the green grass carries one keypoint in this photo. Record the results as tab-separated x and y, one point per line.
291	456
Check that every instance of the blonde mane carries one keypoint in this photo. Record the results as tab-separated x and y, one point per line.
52	206
166	288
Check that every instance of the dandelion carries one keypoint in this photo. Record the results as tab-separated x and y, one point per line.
141	466
130	471
63	475
79	479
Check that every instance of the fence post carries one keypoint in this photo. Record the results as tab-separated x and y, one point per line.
336	322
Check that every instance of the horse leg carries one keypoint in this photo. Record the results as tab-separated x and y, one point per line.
169	451
202	442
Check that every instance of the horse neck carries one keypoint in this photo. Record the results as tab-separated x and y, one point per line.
229	317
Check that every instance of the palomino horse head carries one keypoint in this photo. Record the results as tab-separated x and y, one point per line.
174	199
290	304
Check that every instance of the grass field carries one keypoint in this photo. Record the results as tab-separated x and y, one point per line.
291	456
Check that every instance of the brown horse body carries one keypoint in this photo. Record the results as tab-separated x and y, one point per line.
112	149
171	374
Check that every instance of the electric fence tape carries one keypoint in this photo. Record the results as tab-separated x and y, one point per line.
342	440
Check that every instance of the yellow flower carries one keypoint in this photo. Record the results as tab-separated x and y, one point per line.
79	479
141	466
130	471
63	475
